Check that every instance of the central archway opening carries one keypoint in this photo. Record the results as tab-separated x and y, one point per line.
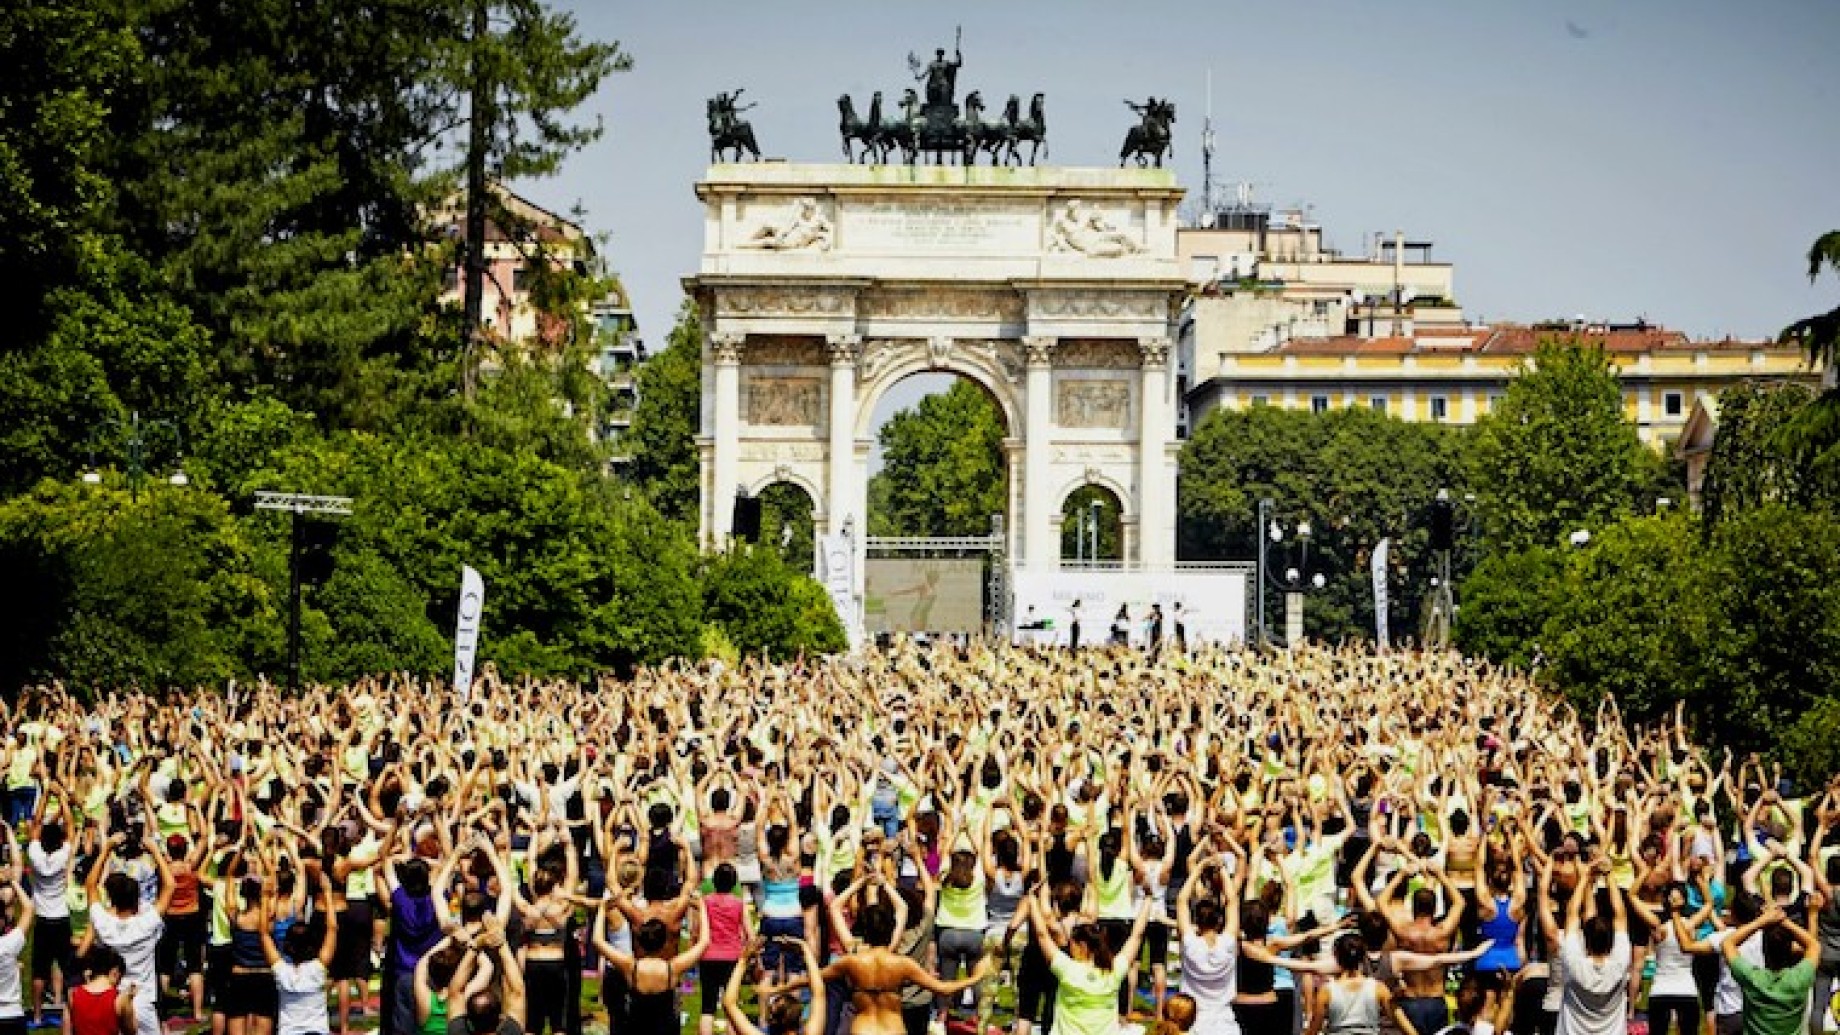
937	466
938	474
1092	528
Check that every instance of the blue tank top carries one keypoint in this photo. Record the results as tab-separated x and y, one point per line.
780	899
246	949
1505	954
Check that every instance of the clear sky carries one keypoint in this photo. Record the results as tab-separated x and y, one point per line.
1663	158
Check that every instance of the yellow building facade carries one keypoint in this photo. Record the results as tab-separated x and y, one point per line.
1301	327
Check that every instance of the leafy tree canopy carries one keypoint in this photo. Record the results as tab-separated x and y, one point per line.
1354	475
1558	454
661	442
943	469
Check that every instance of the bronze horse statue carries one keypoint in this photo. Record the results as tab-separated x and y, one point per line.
860	131
1151	138
879	138
1032	130
987	137
729	132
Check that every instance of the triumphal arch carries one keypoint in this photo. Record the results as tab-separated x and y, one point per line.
821	286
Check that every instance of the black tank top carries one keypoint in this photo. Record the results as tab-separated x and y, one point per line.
1059	862
653	1013
1255	976
1178	869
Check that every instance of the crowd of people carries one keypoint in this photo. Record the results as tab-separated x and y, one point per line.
1321	841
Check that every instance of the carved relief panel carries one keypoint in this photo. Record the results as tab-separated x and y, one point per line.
1082	403
783	401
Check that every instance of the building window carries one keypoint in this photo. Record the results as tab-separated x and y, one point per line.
520	279
1673	403
1261	400
1377	404
1440	408
1319	404
1494	401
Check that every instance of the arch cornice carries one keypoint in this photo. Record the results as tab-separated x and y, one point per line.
1127	501
887	361
792	475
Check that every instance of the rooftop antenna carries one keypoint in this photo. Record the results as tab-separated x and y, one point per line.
1207	151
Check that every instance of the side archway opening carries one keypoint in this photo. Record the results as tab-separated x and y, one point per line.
1092	528
787	524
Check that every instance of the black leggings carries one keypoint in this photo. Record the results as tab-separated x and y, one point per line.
1035	988
1527	1012
1684	1009
1263	1018
1117	932
916	1018
546	995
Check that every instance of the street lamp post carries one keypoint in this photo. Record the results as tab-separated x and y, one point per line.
1294	585
1293	603
135	440
298	505
1093	551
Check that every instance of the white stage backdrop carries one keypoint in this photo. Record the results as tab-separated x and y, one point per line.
1213	603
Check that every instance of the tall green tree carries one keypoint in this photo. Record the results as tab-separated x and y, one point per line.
65	61
1558	454
272	163
1750	465
279	160
1630	619
661	442
1771	647
1813	437
525	71
114	343
1820	334
943	466
1506	602
1354	475
109	590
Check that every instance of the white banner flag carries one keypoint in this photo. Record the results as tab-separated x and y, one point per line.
1379	572
466	628
836	571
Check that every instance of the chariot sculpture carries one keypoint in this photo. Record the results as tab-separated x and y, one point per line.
932	125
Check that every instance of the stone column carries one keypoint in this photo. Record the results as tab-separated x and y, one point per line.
1040	539
841	506
1155	496
727	349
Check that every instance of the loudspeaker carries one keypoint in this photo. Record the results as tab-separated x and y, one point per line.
317	540
746	524
1440	525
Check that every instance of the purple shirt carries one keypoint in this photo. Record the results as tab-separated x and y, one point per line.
413	929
